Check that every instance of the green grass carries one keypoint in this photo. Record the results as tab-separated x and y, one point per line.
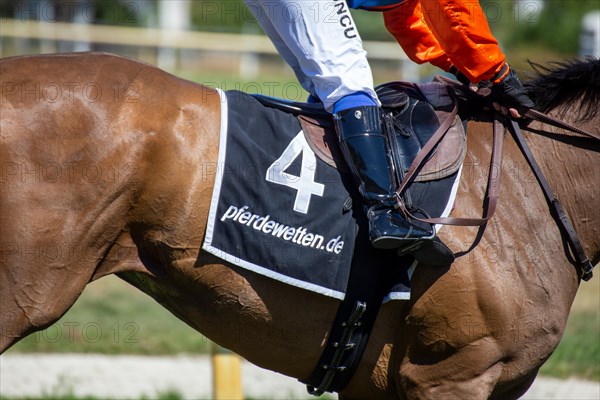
579	351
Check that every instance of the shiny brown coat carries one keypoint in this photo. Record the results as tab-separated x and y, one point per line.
107	161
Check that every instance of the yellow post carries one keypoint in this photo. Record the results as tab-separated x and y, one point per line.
227	374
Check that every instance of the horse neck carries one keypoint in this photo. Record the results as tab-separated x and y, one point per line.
572	171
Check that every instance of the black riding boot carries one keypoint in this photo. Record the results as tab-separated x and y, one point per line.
365	150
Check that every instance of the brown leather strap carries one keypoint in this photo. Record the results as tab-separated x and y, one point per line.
556	209
493	185
547	119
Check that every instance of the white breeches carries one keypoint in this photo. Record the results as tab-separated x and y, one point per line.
319	40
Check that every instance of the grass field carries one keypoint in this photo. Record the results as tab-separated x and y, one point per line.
113	317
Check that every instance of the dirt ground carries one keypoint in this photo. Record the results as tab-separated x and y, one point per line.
131	377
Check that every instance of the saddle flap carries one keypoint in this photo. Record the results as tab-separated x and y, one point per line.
448	156
322	140
420	121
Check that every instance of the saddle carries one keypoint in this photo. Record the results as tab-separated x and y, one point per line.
416	112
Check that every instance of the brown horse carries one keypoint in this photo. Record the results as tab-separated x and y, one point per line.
107	161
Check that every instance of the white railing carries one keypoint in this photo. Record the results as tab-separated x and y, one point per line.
241	44
152	37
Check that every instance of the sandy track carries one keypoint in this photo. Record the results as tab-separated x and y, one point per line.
131	377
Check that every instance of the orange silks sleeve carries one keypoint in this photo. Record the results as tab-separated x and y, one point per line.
462	32
407	24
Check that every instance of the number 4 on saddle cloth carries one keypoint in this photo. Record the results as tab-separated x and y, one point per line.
284	205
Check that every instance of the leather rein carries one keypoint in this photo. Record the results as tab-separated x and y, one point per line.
500	125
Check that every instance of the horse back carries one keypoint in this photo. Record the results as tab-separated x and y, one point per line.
122	89
64	108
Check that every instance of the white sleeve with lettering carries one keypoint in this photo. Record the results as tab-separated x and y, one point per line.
319	40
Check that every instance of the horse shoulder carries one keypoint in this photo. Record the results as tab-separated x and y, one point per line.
483	324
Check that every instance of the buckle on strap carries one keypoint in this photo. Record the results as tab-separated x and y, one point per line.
581	259
587	270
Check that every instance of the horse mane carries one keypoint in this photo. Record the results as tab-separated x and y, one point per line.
563	83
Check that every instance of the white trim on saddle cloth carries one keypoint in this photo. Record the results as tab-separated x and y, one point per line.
212	215
452	198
